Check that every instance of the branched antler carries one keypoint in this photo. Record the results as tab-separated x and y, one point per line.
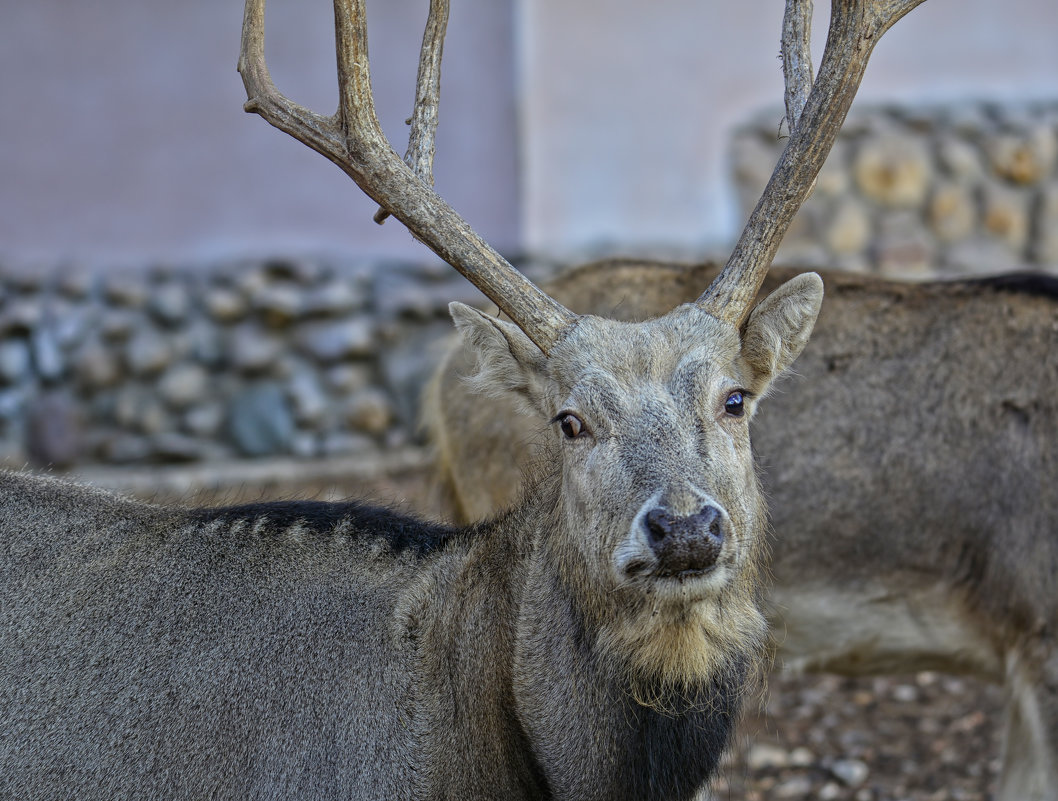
353	140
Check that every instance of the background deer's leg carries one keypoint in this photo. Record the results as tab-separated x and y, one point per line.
1030	766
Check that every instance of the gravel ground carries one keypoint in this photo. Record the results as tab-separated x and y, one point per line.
923	737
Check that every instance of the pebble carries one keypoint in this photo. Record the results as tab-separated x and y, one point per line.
850	772
118	325
124	449
796	787
905	693
278	304
1006	215
260	421
125	289
204	419
333	299
252	350
332	342
344	444
762	756
170	302
205	344
369	411
96	366
960	159
967	172
147	353
53	436
1023	158
1045	248
830	791
77	282
14	361
183	385
226	305
70	323
849	230
893	171
348	378
47	354
173	447
20	316
802	757
305	445
952	212
307	397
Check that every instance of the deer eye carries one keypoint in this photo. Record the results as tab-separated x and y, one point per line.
572	426
735	405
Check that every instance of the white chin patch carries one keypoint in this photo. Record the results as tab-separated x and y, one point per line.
703	587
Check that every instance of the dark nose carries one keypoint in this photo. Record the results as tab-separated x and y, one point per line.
685	545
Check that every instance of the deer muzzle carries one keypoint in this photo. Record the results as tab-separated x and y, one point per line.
684	546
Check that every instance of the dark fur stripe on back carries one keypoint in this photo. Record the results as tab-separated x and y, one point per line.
1041	284
402	532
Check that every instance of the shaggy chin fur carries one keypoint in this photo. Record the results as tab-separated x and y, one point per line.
678	645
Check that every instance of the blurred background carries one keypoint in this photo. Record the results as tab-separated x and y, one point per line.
191	301
567	128
183	284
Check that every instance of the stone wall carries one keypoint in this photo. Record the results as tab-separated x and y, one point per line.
302	358
317	359
922	192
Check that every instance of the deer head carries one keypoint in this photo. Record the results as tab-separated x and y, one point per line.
656	510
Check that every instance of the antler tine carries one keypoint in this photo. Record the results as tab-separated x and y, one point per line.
855	27
318	132
797	57
423	121
353	140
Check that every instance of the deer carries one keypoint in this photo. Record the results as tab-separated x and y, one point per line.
910	467
595	641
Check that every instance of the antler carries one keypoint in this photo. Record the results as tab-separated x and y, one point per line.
855	27
352	138
423	121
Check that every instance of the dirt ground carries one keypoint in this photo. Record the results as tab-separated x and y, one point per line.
922	737
926	737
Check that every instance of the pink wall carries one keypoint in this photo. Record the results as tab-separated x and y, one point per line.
629	107
124	138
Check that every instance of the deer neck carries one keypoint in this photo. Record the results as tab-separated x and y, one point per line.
596	729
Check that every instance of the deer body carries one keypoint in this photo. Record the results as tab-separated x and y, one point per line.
594	643
910	468
164	653
374	657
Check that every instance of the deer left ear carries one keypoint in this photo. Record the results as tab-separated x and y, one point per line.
507	360
778	328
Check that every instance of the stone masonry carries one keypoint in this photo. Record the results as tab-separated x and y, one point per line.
316	359
922	192
248	360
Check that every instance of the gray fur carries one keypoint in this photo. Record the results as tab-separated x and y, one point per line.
310	650
911	468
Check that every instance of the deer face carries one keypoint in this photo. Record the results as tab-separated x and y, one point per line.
660	518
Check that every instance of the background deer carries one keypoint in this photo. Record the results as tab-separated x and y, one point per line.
595	642
910	468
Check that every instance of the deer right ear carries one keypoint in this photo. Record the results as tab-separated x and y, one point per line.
507	360
778	328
